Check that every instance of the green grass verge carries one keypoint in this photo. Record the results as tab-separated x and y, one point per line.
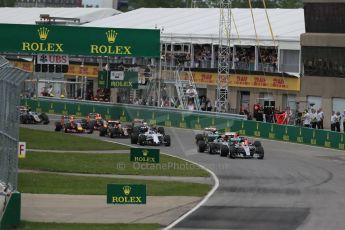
42	183
38	139
108	164
25	225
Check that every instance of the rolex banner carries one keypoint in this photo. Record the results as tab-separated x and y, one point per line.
144	155
79	40
118	79
126	194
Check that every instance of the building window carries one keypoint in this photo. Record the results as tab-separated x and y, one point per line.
338	105
289	61
289	101
324	61
314	102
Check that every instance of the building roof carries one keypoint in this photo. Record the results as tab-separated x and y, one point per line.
201	25
18	15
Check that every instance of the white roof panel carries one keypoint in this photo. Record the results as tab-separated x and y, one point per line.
202	24
19	15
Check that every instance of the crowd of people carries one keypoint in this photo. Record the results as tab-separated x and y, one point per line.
202	56
268	60
312	118
243	58
336	119
309	118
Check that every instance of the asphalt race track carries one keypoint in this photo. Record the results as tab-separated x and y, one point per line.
294	187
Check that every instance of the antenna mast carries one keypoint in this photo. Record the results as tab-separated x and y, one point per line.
224	52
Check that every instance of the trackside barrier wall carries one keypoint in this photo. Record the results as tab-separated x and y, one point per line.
191	120
11	216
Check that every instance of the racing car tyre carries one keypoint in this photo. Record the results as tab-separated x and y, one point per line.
224	150
134	138
261	153
90	130
93	124
167	140
257	144
44	118
199	137
58	126
201	146
212	148
135	130
141	140
161	130
22	120
102	132
232	152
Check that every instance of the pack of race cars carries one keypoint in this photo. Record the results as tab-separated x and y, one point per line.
138	131
228	144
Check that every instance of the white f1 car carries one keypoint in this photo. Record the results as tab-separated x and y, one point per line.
150	136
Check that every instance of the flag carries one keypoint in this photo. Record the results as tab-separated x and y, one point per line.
280	118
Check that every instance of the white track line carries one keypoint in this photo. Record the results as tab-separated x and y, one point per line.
203	201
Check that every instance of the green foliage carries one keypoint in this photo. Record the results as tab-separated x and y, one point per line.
134	4
7	3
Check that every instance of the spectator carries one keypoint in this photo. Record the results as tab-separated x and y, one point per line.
319	118
50	91
333	121
343	116
306	119
208	105
246	112
190	105
191	92
260	114
337	121
203	103
313	117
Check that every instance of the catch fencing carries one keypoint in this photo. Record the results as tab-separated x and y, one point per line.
10	80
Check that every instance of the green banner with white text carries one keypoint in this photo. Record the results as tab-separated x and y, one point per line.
79	40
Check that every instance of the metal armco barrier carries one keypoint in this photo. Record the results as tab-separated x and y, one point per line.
191	120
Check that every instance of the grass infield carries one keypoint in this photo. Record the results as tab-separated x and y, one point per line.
108	164
38	139
41	183
25	225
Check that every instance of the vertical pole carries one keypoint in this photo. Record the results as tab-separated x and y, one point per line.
159	82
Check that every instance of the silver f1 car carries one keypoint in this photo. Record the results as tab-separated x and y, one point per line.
243	148
232	146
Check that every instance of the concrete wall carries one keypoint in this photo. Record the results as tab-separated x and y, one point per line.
323	40
324	87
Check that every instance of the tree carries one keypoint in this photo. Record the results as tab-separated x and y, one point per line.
7	3
134	4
